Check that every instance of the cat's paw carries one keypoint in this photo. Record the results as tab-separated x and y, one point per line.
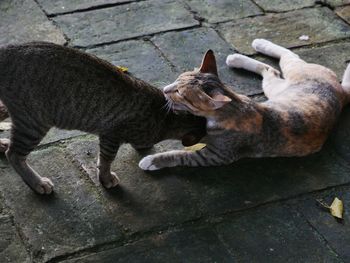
148	164
43	186
260	44
110	181
235	60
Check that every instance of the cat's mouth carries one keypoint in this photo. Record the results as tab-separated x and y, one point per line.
174	106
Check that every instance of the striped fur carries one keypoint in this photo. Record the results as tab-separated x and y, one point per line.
45	85
297	118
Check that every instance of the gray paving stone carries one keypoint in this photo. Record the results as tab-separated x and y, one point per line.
142	201
250	182
337	233
23	21
125	21
223	10
334	3
320	24
141	58
341	136
11	247
64	6
185	50
344	12
199	245
71	219
282	5
273	234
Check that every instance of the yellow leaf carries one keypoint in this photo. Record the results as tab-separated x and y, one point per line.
4	126
337	208
195	147
123	69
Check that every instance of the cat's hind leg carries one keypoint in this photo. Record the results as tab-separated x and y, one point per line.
24	138
270	49
108	150
247	63
208	156
272	83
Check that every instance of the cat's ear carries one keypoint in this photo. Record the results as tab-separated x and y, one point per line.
209	63
218	100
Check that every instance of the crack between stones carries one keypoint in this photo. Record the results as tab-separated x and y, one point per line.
92	8
205	220
314	229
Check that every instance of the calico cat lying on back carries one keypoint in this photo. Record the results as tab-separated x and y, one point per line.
299	114
45	85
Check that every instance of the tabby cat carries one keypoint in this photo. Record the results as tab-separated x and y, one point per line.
45	85
296	119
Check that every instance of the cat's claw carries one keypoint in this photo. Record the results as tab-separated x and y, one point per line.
111	181
44	186
147	163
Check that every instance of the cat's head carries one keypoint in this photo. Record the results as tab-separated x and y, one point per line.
199	92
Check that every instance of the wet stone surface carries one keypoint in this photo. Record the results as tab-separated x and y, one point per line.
23	21
125	21
189	245
223	10
320	24
336	232
344	12
282	5
11	246
69	220
64	6
142	201
275	234
141	58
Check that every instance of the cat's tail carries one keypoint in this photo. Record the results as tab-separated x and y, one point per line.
346	81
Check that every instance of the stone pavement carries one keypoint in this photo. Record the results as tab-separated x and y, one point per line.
261	210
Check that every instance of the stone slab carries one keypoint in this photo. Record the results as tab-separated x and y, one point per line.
142	201
273	234
335	3
64	6
141	58
125	21
320	24
282	5
223	10
344	12
186	245
250	182
71	219
11	247
23	21
336	232
185	50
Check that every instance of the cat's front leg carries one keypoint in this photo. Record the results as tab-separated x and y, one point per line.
204	157
108	150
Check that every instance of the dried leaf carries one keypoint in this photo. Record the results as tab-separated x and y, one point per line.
4	126
195	147
337	208
123	69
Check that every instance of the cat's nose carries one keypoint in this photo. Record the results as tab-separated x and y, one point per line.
170	87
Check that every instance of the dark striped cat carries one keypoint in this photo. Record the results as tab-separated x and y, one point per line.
45	85
299	114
